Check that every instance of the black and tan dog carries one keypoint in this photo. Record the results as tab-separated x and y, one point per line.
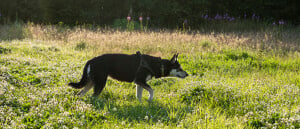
138	68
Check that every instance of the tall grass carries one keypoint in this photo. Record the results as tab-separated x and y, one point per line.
239	78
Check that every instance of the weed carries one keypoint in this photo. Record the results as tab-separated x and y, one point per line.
4	50
81	46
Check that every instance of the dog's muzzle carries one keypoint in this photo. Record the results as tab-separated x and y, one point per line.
183	74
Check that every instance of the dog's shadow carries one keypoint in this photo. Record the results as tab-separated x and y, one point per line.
133	110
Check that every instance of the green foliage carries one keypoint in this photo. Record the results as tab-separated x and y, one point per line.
120	24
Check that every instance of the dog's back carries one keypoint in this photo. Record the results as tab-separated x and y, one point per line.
118	66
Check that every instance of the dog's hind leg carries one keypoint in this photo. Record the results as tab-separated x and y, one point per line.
86	88
139	92
100	82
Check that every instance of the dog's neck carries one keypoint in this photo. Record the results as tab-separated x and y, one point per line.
164	70
144	64
160	73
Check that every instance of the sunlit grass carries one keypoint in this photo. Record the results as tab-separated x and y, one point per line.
238	79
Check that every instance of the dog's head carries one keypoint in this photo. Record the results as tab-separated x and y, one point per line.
175	69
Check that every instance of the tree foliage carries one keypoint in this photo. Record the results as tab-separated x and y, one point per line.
163	13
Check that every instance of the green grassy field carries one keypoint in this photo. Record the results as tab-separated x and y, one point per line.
239	79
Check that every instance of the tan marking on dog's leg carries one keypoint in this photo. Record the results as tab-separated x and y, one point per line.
86	89
139	92
148	88
151	95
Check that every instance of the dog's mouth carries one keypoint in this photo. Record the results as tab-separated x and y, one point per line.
182	76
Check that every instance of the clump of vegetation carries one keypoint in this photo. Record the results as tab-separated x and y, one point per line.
4	50
81	46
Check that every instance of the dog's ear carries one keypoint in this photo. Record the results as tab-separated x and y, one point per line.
174	58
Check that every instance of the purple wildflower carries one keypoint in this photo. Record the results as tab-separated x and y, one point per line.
281	22
274	23
257	17
141	18
206	16
128	18
253	16
226	16
232	19
185	22
148	18
218	17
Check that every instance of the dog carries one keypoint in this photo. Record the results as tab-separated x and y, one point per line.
138	68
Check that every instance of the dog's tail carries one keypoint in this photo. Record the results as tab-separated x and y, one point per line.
84	78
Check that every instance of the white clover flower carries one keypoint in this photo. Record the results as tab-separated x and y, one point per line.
114	109
66	114
64	127
106	113
48	126
60	121
123	123
40	115
146	118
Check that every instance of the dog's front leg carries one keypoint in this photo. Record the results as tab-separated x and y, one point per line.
139	92
148	88
151	94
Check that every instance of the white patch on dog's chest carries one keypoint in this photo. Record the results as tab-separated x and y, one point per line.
149	77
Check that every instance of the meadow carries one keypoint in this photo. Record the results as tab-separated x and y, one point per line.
239	78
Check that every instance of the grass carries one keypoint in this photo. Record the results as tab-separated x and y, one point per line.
239	79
